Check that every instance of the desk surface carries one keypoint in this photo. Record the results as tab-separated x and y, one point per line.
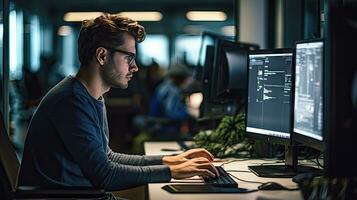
155	191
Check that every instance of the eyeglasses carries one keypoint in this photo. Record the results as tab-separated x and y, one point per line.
131	56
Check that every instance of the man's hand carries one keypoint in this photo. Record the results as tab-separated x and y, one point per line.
190	154
194	167
196	153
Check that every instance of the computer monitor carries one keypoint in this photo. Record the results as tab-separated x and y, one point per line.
224	77
268	106
207	107
224	67
207	39
268	110
308	93
203	74
207	71
230	70
341	94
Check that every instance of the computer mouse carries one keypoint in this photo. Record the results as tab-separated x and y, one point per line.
271	186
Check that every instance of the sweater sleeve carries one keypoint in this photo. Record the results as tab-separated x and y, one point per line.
74	119
134	159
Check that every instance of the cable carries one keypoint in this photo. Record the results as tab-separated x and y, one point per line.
275	162
232	161
257	182
318	161
238	171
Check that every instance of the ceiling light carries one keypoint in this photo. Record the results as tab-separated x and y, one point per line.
80	16
143	16
206	16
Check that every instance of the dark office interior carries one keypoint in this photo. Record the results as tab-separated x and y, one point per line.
285	71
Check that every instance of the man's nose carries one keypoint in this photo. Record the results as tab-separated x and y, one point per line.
134	67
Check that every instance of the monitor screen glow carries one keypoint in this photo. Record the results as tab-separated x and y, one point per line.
269	89
308	108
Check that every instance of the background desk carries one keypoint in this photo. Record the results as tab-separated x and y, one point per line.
155	192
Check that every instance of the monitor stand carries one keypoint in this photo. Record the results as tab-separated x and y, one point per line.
288	170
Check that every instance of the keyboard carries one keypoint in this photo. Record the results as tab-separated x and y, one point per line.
224	180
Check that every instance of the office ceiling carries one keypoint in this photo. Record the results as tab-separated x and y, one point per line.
60	6
173	11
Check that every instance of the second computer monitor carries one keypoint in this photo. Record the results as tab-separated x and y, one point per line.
308	95
269	89
230	70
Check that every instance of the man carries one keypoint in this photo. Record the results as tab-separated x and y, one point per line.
67	141
167	101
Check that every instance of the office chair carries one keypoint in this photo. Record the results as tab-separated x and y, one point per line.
8	176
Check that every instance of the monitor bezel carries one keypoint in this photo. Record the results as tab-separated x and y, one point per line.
258	136
297	137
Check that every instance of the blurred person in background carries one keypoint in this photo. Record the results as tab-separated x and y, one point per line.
168	102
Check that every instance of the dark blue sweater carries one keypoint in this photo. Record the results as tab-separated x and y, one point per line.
67	145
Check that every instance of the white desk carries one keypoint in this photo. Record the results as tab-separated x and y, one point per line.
155	192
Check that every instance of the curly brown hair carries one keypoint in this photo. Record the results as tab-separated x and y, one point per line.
106	30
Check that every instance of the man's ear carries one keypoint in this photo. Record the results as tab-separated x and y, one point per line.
101	54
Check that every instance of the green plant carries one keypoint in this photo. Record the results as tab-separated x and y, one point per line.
227	139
